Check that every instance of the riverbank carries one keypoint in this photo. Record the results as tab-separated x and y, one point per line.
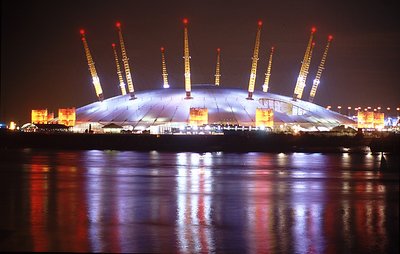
238	142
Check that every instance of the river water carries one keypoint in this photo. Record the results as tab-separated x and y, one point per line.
135	202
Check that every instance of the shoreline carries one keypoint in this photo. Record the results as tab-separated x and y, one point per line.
238	142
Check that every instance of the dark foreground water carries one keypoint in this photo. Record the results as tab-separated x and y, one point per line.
116	201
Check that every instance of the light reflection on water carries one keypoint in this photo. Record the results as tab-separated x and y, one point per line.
194	189
119	201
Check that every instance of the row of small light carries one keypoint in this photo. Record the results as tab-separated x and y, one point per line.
365	109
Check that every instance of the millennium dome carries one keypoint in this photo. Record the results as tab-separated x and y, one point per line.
160	110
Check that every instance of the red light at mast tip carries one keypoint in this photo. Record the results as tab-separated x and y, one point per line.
82	31
218	49
313	29
118	24
185	21
259	23
162	48
330	37
113	45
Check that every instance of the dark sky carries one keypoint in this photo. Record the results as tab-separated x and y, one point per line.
43	63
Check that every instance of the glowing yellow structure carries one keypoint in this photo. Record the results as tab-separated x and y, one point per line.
50	117
39	116
164	68
217	68
121	79
67	116
12	126
268	73
198	116
125	60
92	69
264	117
186	56
253	73
320	69
365	120
370	120
301	80
379	120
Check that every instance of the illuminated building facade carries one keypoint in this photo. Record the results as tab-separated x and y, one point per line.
66	116
39	116
198	116
264	117
370	120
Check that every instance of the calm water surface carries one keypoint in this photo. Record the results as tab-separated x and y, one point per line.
123	201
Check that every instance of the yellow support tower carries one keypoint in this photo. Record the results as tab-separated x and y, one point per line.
121	79
301	80
320	69
125	60
253	73
217	68
186	56
164	68
92	69
307	66
268	73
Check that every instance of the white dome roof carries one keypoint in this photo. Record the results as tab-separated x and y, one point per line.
225	106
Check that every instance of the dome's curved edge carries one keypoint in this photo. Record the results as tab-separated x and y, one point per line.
224	105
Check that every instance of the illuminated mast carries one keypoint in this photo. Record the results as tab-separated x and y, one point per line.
125	60
164	68
186	56
121	79
217	69
268	74
301	80
319	72
252	80
92	69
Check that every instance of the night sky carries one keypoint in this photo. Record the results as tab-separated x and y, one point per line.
43	64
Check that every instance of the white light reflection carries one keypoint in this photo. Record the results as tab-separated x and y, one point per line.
259	217
299	187
346	161
381	188
95	204
193	223
346	222
282	160
369	216
306	174
305	161
299	174
300	231
124	208
381	223
345	187
368	187
346	175
308	215
95	201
